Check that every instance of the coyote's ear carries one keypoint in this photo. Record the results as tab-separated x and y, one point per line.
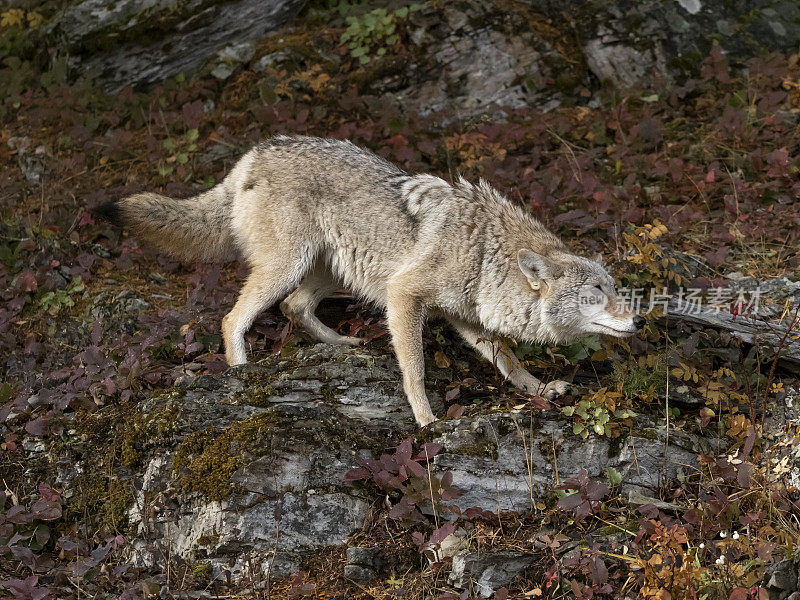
535	267
598	258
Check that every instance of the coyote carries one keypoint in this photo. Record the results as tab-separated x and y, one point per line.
311	215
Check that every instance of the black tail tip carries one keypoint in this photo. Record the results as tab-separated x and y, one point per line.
110	211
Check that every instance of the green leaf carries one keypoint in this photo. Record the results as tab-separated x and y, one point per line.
169	144
364	60
192	135
5	392
614	477
183	158
401	12
76	285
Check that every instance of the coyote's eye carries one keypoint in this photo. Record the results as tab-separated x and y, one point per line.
599	287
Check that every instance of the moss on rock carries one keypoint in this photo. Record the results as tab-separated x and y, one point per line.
485	450
205	461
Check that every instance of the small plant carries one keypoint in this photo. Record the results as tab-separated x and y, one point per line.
474	150
655	267
596	412
179	149
375	28
403	474
23	529
672	568
717	388
586	497
643	377
55	300
18	18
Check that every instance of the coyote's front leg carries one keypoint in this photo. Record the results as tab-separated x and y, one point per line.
507	362
404	315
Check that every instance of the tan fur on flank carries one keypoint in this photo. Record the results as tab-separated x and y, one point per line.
310	215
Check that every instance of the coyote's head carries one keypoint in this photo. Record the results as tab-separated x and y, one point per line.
576	297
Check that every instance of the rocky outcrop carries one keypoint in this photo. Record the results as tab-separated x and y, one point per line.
465	56
131	42
623	41
245	470
474	54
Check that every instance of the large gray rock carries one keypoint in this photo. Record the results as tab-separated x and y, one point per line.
471	56
245	470
486	572
782	580
510	460
133	42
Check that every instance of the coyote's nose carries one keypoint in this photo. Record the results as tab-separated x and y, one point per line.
639	321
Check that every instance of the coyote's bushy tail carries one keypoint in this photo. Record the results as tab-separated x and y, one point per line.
197	228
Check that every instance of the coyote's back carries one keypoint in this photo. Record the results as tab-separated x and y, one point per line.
281	183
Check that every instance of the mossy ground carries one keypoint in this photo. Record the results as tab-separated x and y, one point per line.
637	380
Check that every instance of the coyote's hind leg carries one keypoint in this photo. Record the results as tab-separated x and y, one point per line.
271	279
302	303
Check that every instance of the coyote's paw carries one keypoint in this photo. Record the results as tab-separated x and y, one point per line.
556	389
522	380
349	340
425	419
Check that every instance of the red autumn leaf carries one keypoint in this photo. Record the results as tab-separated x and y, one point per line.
36	426
27	281
429	450
356	474
455	411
